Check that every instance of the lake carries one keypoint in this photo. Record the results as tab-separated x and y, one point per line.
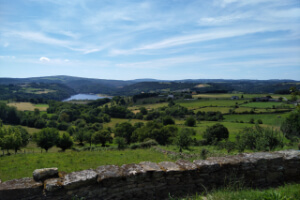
85	97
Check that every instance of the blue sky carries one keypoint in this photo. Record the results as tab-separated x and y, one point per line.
162	39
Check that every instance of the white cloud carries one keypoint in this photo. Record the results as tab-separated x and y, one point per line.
44	59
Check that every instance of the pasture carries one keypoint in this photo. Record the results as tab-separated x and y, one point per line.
26	106
22	165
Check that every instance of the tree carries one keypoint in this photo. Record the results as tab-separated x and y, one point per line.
79	135
143	110
216	132
121	142
168	120
102	137
184	138
124	130
64	142
190	121
46	138
291	125
13	138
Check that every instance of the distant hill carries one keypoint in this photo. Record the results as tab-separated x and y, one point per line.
131	87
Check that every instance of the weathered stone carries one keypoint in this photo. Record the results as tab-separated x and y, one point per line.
169	166
53	184
108	171
80	178
20	188
186	165
152	169
207	166
43	174
133	172
150	166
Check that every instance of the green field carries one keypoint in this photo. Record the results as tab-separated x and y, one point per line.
192	104
270	119
266	105
22	165
223	110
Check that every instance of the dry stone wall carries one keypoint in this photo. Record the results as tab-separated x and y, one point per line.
148	180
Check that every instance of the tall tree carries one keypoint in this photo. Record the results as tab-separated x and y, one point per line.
46	138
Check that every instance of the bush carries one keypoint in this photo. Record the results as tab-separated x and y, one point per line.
190	121
64	142
184	139
216	132
258	138
121	142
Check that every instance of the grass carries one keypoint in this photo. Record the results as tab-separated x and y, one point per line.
285	192
270	119
22	165
115	121
233	128
223	110
26	106
209	103
265	104
246	96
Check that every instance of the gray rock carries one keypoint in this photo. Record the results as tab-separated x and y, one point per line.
43	174
108	171
169	166
81	178
53	184
20	188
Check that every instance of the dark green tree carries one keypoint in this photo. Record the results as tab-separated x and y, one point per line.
64	142
190	121
184	138
291	125
46	138
124	130
102	137
168	120
216	132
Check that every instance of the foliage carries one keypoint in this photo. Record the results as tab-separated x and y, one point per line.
291	126
184	138
46	138
124	130
258	138
102	137
121	142
216	132
190	121
64	141
168	120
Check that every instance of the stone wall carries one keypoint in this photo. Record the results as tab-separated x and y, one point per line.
148	180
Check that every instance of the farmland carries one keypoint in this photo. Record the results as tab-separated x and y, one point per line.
234	115
25	106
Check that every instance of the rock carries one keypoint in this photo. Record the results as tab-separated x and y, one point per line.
108	171
20	188
43	174
186	165
53	184
81	178
169	166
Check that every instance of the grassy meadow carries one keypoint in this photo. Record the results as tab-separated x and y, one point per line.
26	106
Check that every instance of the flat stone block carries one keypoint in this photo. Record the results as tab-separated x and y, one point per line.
43	174
80	178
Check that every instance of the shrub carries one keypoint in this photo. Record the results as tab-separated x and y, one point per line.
184	139
216	132
190	121
121	142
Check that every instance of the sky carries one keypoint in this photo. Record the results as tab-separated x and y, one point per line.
160	39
